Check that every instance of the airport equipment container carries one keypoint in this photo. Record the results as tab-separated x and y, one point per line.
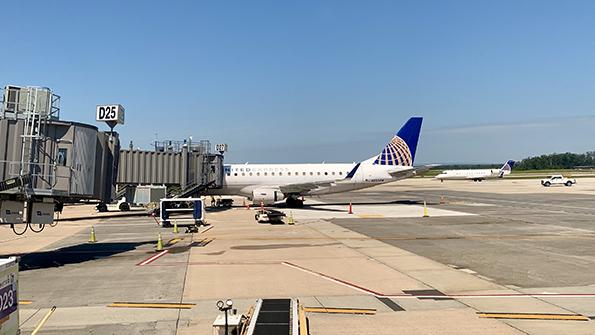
147	194
177	209
234	323
9	288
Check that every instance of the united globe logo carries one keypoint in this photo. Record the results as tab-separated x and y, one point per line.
396	152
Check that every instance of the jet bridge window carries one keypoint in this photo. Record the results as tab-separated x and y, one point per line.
62	154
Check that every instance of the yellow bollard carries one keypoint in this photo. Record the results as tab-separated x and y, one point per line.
92	238
176	230
426	215
290	218
159	243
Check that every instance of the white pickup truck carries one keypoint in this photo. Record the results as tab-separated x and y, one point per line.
557	180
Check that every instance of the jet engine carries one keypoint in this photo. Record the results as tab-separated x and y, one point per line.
267	196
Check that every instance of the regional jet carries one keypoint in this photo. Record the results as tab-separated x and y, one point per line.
476	174
271	183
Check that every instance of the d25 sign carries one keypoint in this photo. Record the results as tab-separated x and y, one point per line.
110	113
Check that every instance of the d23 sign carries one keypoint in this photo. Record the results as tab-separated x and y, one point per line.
8	299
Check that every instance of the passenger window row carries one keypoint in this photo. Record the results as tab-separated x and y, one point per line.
333	173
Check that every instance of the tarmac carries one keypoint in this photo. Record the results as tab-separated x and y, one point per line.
506	246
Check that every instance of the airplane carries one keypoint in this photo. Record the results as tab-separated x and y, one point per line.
268	184
476	174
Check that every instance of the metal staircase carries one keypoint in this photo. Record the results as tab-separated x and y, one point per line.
195	190
37	110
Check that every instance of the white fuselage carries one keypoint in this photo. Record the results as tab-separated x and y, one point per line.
472	174
243	179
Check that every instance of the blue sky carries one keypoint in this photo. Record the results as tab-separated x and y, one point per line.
307	81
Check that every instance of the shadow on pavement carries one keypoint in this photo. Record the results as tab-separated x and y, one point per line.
75	254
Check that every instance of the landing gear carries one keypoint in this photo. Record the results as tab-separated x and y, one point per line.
294	202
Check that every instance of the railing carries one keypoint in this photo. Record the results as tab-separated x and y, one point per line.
16	102
43	176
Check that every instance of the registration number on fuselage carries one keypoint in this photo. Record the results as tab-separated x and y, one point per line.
374	180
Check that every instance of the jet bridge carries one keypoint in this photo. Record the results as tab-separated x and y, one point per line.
187	168
45	161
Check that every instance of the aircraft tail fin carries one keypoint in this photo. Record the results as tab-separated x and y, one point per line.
507	167
401	148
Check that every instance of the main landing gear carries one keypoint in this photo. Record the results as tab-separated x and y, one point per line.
294	202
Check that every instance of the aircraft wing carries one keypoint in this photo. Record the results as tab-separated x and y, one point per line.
415	171
304	187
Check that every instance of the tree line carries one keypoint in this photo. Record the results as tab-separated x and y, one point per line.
566	160
553	161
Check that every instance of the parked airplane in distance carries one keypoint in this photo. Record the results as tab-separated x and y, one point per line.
270	183
476	174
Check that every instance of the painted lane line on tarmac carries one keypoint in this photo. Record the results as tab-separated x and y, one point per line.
533	316
173	305
429	296
335	280
208	228
152	258
220	263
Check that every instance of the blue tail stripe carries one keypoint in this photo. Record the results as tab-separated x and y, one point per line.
410	134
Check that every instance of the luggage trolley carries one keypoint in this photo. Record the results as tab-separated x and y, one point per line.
176	210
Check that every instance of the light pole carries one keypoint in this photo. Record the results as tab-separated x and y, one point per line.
224	307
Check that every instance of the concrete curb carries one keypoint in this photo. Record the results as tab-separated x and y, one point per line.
115	215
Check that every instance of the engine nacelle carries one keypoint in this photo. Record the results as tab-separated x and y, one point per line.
267	196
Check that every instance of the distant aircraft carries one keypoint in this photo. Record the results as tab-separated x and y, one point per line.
270	183
476	174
